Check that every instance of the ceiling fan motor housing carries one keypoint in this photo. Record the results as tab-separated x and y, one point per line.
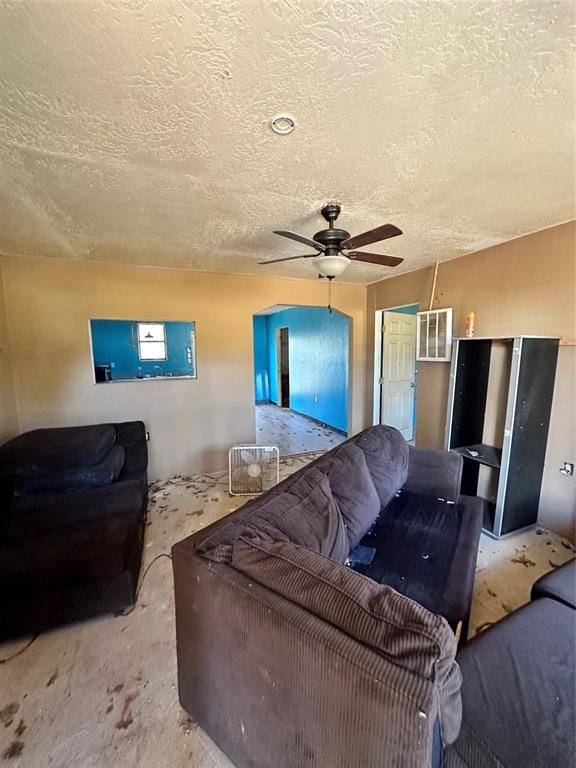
331	238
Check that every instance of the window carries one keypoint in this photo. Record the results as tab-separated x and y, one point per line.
152	341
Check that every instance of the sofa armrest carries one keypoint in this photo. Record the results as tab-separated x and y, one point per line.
274	684
437	473
132	436
458	595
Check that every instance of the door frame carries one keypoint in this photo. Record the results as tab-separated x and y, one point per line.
378	322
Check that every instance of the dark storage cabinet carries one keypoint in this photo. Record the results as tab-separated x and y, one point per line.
498	416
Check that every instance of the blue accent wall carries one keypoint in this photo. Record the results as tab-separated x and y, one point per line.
261	375
412	309
115	343
318	354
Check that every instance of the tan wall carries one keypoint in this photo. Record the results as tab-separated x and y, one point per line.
192	423
8	411
525	286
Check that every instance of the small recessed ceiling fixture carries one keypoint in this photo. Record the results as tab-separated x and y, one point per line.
282	124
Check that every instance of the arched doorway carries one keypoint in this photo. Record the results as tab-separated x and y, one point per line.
301	377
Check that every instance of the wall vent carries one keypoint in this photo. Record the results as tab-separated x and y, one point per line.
434	335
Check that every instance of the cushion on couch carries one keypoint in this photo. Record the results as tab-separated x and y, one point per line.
386	454
105	472
353	489
437	473
58	449
559	584
377	616
306	515
518	688
415	539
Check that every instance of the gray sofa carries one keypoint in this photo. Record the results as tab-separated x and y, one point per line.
289	657
519	684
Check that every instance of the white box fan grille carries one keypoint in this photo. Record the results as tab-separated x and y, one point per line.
253	469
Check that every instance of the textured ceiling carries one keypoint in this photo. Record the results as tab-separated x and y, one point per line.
138	131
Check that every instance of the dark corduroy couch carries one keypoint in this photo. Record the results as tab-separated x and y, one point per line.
289	657
73	506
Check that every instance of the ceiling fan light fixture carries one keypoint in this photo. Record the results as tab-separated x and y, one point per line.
331	266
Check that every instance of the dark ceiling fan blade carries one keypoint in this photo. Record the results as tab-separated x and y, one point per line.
300	239
372	236
291	258
375	258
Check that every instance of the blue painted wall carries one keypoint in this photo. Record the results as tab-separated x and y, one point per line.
116	342
412	309
261	374
319	351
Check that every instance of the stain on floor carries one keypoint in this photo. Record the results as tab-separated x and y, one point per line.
126	718
7	713
53	678
15	749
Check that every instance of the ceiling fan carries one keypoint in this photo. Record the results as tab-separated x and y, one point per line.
335	247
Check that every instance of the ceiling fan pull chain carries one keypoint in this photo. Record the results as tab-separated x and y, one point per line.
330	294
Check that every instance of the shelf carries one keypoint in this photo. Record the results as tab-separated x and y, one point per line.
487	454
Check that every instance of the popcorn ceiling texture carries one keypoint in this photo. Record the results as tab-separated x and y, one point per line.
138	132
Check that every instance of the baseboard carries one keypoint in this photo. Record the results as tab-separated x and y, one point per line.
318	421
264	402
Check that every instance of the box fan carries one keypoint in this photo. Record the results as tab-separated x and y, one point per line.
252	469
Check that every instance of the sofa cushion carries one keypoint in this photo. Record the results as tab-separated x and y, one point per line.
518	688
306	515
437	473
416	539
353	489
559	584
59	449
104	472
386	454
377	616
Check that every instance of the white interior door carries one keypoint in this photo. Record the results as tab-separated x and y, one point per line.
398	374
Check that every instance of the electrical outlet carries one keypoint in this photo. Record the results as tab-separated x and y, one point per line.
567	469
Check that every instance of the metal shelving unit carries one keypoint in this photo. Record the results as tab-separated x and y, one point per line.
498	417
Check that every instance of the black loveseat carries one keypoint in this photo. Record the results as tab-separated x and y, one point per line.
73	506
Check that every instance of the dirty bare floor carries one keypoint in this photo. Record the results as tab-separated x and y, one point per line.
102	694
292	433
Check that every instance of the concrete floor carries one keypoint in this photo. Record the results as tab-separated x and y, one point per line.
291	432
102	694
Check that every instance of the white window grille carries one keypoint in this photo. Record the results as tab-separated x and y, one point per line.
434	335
152	341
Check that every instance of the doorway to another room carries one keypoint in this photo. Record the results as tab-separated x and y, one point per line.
301	372
396	374
283	367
